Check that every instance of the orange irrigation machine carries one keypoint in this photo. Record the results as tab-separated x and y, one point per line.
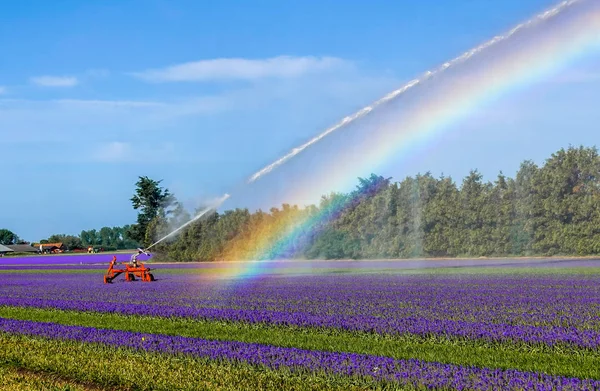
131	272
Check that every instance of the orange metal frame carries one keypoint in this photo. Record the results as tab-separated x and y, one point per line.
142	272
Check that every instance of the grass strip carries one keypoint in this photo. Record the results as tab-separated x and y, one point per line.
18	379
551	360
127	369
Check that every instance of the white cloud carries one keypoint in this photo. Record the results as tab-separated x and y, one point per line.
122	152
99	73
76	121
109	104
115	151
55	81
242	69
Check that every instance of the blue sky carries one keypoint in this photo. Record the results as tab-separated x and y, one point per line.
94	94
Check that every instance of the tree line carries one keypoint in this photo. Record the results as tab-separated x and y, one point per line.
107	238
150	198
552	209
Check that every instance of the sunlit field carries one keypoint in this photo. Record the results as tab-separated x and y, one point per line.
470	324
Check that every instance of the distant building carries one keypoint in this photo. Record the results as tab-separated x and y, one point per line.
50	247
4	250
23	248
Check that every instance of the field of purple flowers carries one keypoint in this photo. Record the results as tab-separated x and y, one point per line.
482	331
66	259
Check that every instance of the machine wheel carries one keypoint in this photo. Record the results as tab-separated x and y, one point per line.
130	277
150	277
106	279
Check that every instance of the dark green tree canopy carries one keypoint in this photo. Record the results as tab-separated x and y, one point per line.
547	209
71	242
110	238
150	196
152	201
8	237
544	210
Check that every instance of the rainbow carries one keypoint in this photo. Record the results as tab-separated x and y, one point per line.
527	58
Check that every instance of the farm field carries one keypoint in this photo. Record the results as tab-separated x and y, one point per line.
66	259
348	325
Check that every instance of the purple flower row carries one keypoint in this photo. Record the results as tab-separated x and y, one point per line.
412	372
556	301
70	259
372	264
416	326
538	309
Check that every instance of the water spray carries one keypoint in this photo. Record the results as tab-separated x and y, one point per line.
541	17
212	207
425	76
